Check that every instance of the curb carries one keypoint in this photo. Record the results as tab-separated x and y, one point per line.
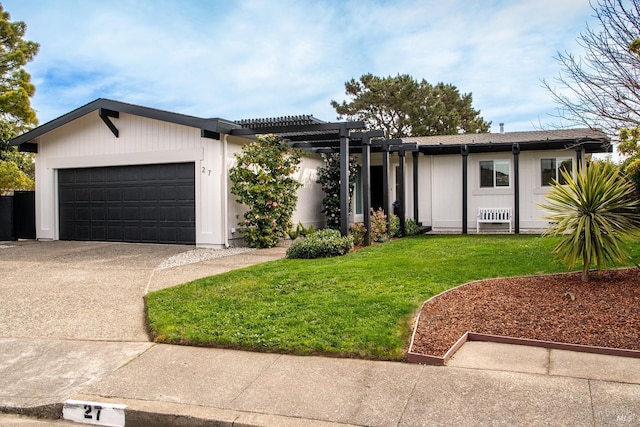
143	413
52	411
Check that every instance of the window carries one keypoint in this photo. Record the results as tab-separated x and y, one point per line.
551	169
494	173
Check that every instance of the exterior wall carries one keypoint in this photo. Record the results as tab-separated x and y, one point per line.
531	190
87	142
445	193
502	197
310	195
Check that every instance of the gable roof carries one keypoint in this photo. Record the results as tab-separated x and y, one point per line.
591	140
207	126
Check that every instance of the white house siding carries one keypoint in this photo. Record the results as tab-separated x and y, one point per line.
446	192
500	197
443	190
310	195
532	192
87	142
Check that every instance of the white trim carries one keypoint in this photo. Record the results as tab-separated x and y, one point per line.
125	159
225	192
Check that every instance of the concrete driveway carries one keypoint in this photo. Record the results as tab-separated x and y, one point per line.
77	290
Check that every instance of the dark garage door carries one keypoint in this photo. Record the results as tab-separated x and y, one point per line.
143	203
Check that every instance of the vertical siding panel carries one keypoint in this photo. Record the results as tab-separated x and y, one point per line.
447	192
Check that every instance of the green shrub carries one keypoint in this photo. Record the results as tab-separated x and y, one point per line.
411	228
394	225
263	181
301	231
357	232
379	226
321	244
329	179
594	213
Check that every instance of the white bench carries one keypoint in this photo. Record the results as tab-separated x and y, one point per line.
494	216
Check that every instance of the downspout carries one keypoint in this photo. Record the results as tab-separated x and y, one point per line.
516	194
465	153
225	191
431	189
415	155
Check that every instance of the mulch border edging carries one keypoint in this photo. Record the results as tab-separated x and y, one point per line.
427	359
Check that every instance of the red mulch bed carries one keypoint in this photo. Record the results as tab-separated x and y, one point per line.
603	312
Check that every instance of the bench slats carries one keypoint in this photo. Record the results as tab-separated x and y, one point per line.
494	215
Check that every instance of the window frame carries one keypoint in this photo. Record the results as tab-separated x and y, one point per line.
495	170
558	165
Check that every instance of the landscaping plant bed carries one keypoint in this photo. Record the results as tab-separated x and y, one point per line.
558	308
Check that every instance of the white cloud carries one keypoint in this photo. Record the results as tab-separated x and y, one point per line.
270	58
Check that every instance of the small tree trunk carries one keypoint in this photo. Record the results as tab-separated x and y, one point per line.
585	275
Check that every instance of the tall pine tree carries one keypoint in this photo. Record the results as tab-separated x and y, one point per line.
16	89
403	106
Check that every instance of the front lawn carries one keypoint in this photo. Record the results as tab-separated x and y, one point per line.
358	305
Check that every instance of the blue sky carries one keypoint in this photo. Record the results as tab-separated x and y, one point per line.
262	58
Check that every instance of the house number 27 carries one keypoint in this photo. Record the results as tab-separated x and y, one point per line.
206	171
92	412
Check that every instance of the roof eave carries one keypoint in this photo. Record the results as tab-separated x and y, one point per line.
209	125
589	146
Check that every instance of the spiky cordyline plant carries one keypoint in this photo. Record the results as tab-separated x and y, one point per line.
595	213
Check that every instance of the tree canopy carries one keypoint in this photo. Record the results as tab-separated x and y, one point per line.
599	88
403	106
16	114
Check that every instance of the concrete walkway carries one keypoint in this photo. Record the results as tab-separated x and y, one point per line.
163	385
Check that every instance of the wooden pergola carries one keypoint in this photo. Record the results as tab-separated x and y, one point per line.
345	138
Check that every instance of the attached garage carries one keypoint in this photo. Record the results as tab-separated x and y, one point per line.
139	203
112	171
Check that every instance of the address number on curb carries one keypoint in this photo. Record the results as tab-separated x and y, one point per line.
95	413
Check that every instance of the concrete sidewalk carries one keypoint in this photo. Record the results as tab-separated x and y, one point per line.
163	385
45	364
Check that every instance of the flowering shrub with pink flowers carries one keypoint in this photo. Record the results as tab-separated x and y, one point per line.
262	180
329	179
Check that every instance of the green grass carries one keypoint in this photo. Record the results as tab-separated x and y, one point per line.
358	305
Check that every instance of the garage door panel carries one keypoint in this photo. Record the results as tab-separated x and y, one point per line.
98	213
98	232
82	213
83	231
82	177
149	213
98	175
98	194
185	215
144	203
82	195
132	234
130	213
130	194
149	194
